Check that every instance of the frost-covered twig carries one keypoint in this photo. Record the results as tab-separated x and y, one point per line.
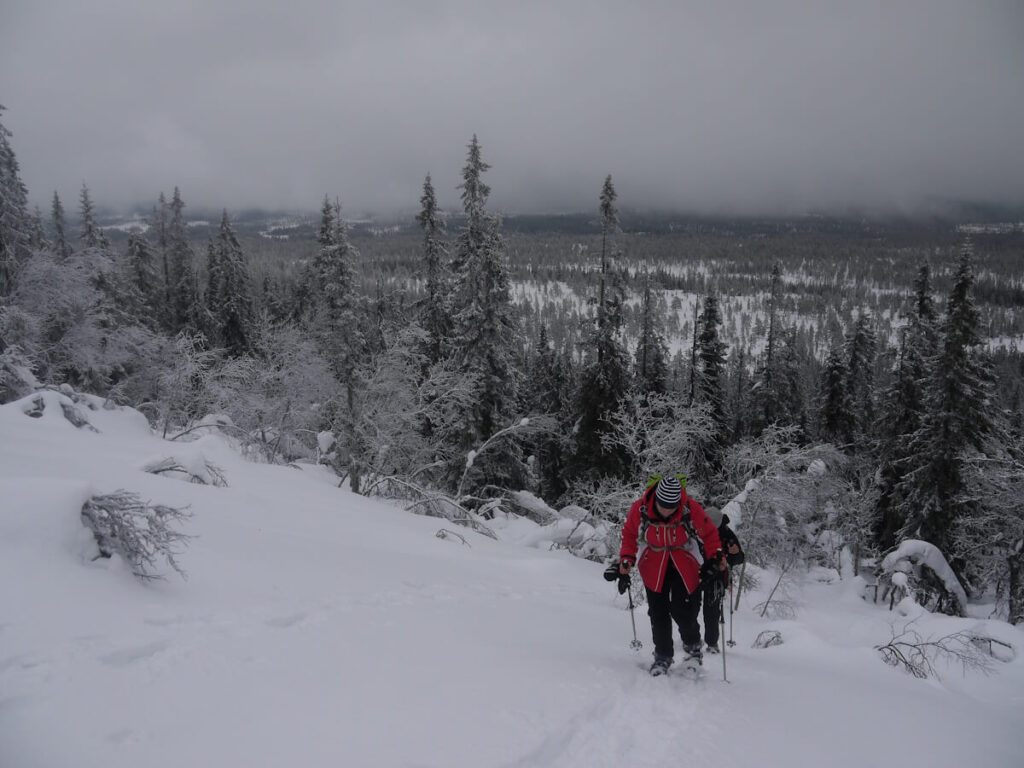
439	503
444	533
138	531
471	456
917	655
211	475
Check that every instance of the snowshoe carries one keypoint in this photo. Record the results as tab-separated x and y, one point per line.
692	662
660	667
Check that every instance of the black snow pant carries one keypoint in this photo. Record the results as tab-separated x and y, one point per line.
713	591
673	603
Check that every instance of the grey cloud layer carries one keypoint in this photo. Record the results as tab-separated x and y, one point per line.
757	106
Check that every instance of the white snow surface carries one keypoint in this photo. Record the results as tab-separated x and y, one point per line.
320	628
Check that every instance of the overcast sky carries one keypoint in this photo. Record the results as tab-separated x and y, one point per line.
750	106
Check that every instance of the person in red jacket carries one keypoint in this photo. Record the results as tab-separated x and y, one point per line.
668	537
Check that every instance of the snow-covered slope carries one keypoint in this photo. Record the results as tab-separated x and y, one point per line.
319	628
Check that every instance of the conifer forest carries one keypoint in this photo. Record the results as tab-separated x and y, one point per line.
456	358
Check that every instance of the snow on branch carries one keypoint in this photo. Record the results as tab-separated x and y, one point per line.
433	503
137	531
910	564
201	471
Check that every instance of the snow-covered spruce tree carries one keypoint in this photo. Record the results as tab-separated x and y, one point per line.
768	386
184	308
991	540
739	403
159	226
92	236
485	330
604	381
229	293
788	378
82	330
336	324
15	222
651	358
59	226
435	313
38	239
903	409
710	381
861	355
548	390
143	278
959	420
835	418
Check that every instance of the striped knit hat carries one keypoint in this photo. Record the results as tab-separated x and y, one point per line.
668	492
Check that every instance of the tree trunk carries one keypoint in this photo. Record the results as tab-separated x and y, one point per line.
1016	562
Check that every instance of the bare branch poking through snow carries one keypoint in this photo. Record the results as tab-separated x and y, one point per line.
444	533
768	638
206	474
918	655
138	531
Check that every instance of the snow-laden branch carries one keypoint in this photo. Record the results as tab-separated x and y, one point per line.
912	554
137	531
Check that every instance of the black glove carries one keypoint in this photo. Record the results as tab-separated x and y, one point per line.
623	583
611	573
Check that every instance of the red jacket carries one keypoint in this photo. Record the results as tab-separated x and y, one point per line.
667	537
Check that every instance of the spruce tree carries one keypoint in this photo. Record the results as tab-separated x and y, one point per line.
15	222
835	417
229	292
159	226
651	359
605	378
337	326
143	278
710	381
484	321
60	237
770	387
903	411
547	391
861	354
435	314
958	418
91	235
38	241
185	310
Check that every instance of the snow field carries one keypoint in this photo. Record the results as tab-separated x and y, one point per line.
320	628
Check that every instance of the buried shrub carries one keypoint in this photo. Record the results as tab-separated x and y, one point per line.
137	531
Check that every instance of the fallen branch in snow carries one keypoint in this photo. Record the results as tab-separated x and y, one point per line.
767	639
918	655
444	533
135	530
782	575
210	475
252	445
436	504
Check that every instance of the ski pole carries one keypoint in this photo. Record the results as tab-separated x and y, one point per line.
636	645
731	641
721	630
